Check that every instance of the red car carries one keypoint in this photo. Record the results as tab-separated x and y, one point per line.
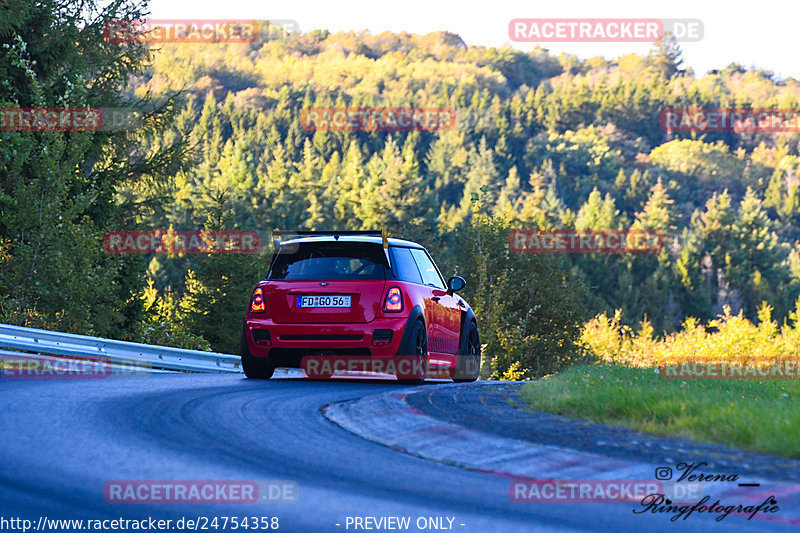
334	297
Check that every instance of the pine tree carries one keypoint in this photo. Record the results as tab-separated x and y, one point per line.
349	185
666	56
481	177
598	213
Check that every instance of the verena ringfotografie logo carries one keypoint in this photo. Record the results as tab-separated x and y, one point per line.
69	119
603	30
45	367
181	242
378	118
589	241
200	492
693	120
692	369
667	504
193	31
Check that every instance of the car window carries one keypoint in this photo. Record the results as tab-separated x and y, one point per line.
404	265
430	276
330	261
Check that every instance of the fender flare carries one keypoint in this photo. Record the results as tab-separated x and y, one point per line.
465	319
416	314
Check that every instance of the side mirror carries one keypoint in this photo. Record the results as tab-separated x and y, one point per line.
456	283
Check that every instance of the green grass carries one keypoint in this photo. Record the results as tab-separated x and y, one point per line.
757	416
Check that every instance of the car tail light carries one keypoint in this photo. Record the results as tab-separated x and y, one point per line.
257	304
394	300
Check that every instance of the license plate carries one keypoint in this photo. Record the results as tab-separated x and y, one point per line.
323	301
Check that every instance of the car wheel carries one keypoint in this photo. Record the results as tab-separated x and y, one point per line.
254	367
469	361
419	356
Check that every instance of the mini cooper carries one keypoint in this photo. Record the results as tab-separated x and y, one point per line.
332	298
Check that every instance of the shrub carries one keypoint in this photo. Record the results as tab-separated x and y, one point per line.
529	309
728	337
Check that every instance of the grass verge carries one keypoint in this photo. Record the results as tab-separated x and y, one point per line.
759	416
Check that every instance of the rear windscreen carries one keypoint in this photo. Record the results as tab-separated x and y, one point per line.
330	261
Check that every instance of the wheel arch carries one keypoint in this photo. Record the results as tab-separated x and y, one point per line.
466	317
416	313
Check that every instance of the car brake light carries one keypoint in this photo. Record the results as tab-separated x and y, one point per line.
394	300
257	303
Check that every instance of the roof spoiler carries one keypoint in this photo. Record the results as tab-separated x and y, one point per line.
288	235
278	236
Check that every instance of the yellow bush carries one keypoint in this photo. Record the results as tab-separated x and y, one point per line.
728	337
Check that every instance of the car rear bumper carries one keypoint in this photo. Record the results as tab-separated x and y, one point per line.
287	344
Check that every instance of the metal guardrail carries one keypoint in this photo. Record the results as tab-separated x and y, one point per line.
31	365
68	345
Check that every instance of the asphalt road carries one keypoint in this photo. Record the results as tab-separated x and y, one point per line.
64	440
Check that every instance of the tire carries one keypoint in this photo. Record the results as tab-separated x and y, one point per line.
469	360
254	367
419	351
